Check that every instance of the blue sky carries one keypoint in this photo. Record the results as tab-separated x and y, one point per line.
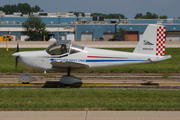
129	8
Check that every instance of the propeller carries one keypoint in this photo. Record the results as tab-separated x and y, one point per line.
17	50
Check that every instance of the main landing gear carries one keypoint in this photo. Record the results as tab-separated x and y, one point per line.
69	79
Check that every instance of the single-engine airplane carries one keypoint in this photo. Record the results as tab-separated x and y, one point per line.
65	56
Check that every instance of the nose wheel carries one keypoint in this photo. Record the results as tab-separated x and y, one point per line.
25	79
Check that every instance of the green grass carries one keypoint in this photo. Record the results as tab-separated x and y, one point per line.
100	99
7	63
48	76
166	75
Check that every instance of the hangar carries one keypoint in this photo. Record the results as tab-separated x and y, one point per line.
63	25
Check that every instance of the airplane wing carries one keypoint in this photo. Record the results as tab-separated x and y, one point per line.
68	64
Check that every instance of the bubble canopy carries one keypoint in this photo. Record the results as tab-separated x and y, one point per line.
63	47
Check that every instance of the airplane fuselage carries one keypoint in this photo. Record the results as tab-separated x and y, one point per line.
95	58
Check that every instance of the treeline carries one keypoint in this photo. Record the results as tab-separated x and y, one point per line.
109	16
106	16
149	16
24	8
116	16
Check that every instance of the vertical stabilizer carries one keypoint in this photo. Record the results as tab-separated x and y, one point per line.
152	41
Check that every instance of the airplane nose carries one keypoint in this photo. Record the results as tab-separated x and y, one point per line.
15	54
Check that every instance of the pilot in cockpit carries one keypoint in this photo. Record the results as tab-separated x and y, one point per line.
63	49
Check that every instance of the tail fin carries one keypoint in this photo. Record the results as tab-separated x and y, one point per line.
153	41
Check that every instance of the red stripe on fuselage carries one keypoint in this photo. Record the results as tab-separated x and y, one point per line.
107	57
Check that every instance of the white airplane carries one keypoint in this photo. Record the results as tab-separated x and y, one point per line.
65	56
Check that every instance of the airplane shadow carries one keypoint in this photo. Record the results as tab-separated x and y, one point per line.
58	84
156	84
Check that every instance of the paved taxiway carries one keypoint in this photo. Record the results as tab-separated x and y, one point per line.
89	115
98	80
96	44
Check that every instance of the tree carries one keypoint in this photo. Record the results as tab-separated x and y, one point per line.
9	9
24	8
163	17
147	16
138	16
150	16
119	36
36	9
77	14
21	7
34	28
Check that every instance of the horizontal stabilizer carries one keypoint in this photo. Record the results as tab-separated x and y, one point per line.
162	58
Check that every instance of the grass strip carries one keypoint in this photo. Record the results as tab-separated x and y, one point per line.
89	99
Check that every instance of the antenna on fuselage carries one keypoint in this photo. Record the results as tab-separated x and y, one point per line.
86	43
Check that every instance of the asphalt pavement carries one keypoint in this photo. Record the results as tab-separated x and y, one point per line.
89	115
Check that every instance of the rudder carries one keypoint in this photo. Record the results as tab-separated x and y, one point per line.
160	46
153	41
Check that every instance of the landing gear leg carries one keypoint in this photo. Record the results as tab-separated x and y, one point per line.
69	70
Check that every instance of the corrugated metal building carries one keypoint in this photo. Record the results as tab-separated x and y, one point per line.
89	29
